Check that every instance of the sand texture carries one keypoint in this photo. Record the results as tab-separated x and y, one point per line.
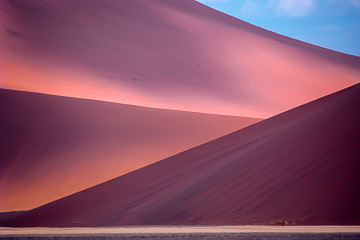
163	53
298	168
52	146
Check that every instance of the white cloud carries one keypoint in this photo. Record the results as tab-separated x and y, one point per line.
212	1
288	8
249	9
295	8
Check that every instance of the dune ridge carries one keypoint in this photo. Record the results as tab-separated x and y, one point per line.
53	146
169	54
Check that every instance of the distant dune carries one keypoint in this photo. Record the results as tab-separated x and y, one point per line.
298	168
54	146
163	53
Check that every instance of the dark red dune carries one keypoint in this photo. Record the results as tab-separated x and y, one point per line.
299	167
174	54
52	146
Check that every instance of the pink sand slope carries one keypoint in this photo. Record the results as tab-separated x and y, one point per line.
163	53
53	146
298	168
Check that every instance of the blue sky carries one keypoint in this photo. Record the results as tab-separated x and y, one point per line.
333	24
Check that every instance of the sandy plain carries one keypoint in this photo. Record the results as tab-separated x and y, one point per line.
186	232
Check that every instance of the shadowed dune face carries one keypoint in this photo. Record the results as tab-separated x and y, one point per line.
53	146
301	167
163	53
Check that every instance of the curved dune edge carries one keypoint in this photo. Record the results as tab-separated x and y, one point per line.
54	146
166	54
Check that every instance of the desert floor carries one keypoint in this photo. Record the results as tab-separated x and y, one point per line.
186	232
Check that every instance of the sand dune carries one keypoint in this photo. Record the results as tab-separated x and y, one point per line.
163	53
298	168
53	146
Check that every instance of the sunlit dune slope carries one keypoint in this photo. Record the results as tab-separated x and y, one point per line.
163	53
54	146
300	167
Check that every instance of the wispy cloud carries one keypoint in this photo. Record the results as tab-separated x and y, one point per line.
250	9
213	1
295	8
288	8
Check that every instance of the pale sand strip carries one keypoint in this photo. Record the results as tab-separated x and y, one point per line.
179	230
